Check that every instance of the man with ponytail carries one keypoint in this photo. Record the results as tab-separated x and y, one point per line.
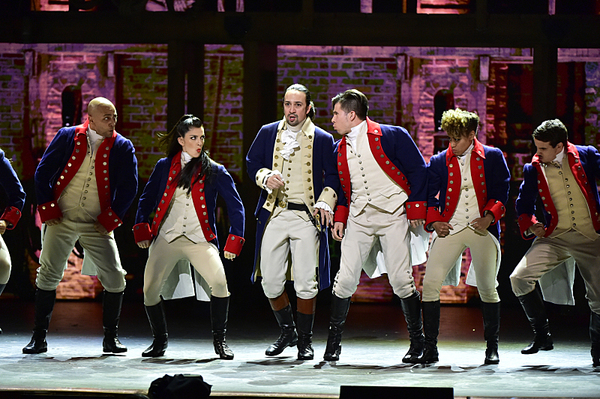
292	161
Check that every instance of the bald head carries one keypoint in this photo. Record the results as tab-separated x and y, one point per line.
102	116
98	101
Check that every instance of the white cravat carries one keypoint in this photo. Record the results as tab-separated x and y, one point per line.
353	134
185	158
288	138
94	140
462	158
558	160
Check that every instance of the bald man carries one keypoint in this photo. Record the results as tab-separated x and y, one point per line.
85	182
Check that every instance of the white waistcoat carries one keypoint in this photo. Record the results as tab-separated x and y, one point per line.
370	184
79	200
182	219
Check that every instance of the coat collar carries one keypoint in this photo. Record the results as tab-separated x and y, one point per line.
373	128
571	150
477	149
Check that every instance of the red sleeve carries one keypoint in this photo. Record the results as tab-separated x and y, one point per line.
416	210
234	244
341	214
11	215
109	219
49	210
142	232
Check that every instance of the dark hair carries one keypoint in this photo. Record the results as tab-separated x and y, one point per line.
303	89
196	167
551	131
352	100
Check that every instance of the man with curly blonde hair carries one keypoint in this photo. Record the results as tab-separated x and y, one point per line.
472	181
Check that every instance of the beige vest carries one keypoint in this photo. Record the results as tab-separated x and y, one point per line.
293	190
569	201
79	200
303	175
370	184
182	219
467	208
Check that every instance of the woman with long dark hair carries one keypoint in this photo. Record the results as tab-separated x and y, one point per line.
182	192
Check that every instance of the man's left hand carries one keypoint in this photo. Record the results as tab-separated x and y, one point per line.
417	222
100	229
2	226
229	255
480	225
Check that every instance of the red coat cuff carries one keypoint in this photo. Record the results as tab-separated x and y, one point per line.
109	219
142	232
497	209
11	215
341	214
234	244
49	210
525	222
416	210
433	215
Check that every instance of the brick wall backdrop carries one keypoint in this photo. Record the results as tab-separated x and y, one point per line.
400	82
12	101
592	103
327	71
143	79
223	85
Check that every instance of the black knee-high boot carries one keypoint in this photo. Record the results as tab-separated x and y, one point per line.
304	327
2	286
534	308
111	305
219	310
431	328
288	336
158	324
491	331
337	319
305	318
595	338
44	305
411	307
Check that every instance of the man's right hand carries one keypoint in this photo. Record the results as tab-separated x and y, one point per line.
275	182
144	244
538	229
53	222
442	228
338	231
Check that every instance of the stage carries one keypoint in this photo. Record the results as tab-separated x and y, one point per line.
374	342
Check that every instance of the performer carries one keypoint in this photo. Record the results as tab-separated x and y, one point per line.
472	181
564	176
85	182
292	161
384	185
11	215
182	193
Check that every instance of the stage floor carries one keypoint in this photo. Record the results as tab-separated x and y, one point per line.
374	342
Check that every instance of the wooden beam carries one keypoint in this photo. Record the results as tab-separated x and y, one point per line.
468	30
545	59
176	84
194	60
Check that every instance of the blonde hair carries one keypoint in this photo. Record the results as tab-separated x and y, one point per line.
458	123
